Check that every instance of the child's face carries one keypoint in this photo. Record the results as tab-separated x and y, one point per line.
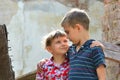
59	46
72	33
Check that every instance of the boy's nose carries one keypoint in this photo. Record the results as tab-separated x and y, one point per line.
63	43
68	37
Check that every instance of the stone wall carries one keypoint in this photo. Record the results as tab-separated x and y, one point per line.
111	21
111	33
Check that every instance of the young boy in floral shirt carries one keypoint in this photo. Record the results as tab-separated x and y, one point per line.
56	68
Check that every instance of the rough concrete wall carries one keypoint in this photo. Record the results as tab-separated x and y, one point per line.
7	9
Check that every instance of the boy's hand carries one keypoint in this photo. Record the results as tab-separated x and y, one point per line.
97	43
40	64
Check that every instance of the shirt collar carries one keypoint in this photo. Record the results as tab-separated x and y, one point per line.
51	63
86	44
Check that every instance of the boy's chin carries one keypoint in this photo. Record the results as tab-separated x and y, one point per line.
64	53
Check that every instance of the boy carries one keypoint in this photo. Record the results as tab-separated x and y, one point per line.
86	63
57	67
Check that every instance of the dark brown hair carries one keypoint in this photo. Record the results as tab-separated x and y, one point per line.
52	35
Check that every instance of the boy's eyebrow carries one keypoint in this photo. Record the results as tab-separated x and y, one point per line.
65	31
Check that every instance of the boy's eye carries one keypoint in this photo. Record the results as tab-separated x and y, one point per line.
58	42
66	32
65	40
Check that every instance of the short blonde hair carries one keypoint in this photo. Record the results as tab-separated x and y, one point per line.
76	16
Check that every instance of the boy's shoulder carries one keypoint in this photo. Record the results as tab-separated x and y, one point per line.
48	62
45	63
96	48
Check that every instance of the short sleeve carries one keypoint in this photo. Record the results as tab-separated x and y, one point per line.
98	57
39	75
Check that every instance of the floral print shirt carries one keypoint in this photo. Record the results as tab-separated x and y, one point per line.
51	71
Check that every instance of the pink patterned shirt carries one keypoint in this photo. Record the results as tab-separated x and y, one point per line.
53	72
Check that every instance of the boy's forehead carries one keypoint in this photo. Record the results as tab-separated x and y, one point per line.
59	38
66	25
66	28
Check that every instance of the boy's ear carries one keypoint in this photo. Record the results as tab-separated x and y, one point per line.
48	48
78	26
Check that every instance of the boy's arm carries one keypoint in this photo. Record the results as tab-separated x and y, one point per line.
97	43
101	72
99	62
39	75
40	64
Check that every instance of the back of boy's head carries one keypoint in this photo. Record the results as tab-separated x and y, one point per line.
52	35
76	16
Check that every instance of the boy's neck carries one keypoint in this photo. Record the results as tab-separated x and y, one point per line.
83	39
59	59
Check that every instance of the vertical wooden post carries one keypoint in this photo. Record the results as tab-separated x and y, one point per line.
6	72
